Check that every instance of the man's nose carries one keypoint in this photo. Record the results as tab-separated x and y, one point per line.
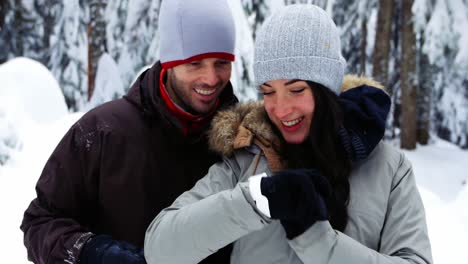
210	76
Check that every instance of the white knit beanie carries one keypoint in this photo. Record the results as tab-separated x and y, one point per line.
299	42
195	29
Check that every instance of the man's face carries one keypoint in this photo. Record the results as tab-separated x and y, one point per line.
195	86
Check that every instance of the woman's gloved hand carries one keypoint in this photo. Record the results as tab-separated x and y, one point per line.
296	198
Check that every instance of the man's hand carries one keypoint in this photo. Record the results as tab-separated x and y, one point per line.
102	249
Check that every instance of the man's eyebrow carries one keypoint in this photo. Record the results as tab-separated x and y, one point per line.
292	81
266	84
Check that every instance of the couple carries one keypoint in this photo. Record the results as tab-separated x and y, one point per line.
325	190
333	193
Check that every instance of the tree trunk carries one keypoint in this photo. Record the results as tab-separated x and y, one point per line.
363	45
424	97
96	31
382	42
408	79
91	66
18	29
3	11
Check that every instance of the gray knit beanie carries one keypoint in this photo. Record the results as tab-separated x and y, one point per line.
299	42
195	29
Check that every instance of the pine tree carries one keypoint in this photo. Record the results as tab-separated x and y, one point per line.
132	35
445	45
352	19
116	15
22	32
47	17
246	21
153	36
68	52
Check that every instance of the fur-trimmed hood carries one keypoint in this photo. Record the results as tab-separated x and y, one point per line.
236	127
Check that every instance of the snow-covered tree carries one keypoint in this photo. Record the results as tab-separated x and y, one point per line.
242	69
445	44
68	52
357	31
96	33
132	35
22	31
422	10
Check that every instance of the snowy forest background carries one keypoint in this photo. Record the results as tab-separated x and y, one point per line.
417	48
94	49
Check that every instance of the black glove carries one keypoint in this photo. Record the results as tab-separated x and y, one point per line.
365	110
296	198
102	249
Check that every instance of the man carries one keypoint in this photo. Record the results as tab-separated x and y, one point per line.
125	161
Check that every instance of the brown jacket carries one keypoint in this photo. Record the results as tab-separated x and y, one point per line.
113	172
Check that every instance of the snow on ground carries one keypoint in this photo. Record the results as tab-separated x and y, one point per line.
440	168
31	97
18	178
442	175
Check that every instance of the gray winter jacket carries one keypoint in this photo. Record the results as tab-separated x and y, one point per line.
386	216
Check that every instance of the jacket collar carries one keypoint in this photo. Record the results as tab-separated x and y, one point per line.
190	123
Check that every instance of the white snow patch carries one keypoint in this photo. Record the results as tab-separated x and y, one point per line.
108	85
29	88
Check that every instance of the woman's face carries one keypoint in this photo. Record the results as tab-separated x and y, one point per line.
290	106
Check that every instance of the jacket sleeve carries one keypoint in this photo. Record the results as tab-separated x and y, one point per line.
215	212
54	223
403	239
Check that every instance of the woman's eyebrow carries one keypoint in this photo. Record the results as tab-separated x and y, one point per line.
292	81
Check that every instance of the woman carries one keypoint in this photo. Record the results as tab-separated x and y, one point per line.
334	194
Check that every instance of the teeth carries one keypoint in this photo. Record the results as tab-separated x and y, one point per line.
292	122
205	92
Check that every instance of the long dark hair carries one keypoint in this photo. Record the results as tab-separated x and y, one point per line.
323	150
